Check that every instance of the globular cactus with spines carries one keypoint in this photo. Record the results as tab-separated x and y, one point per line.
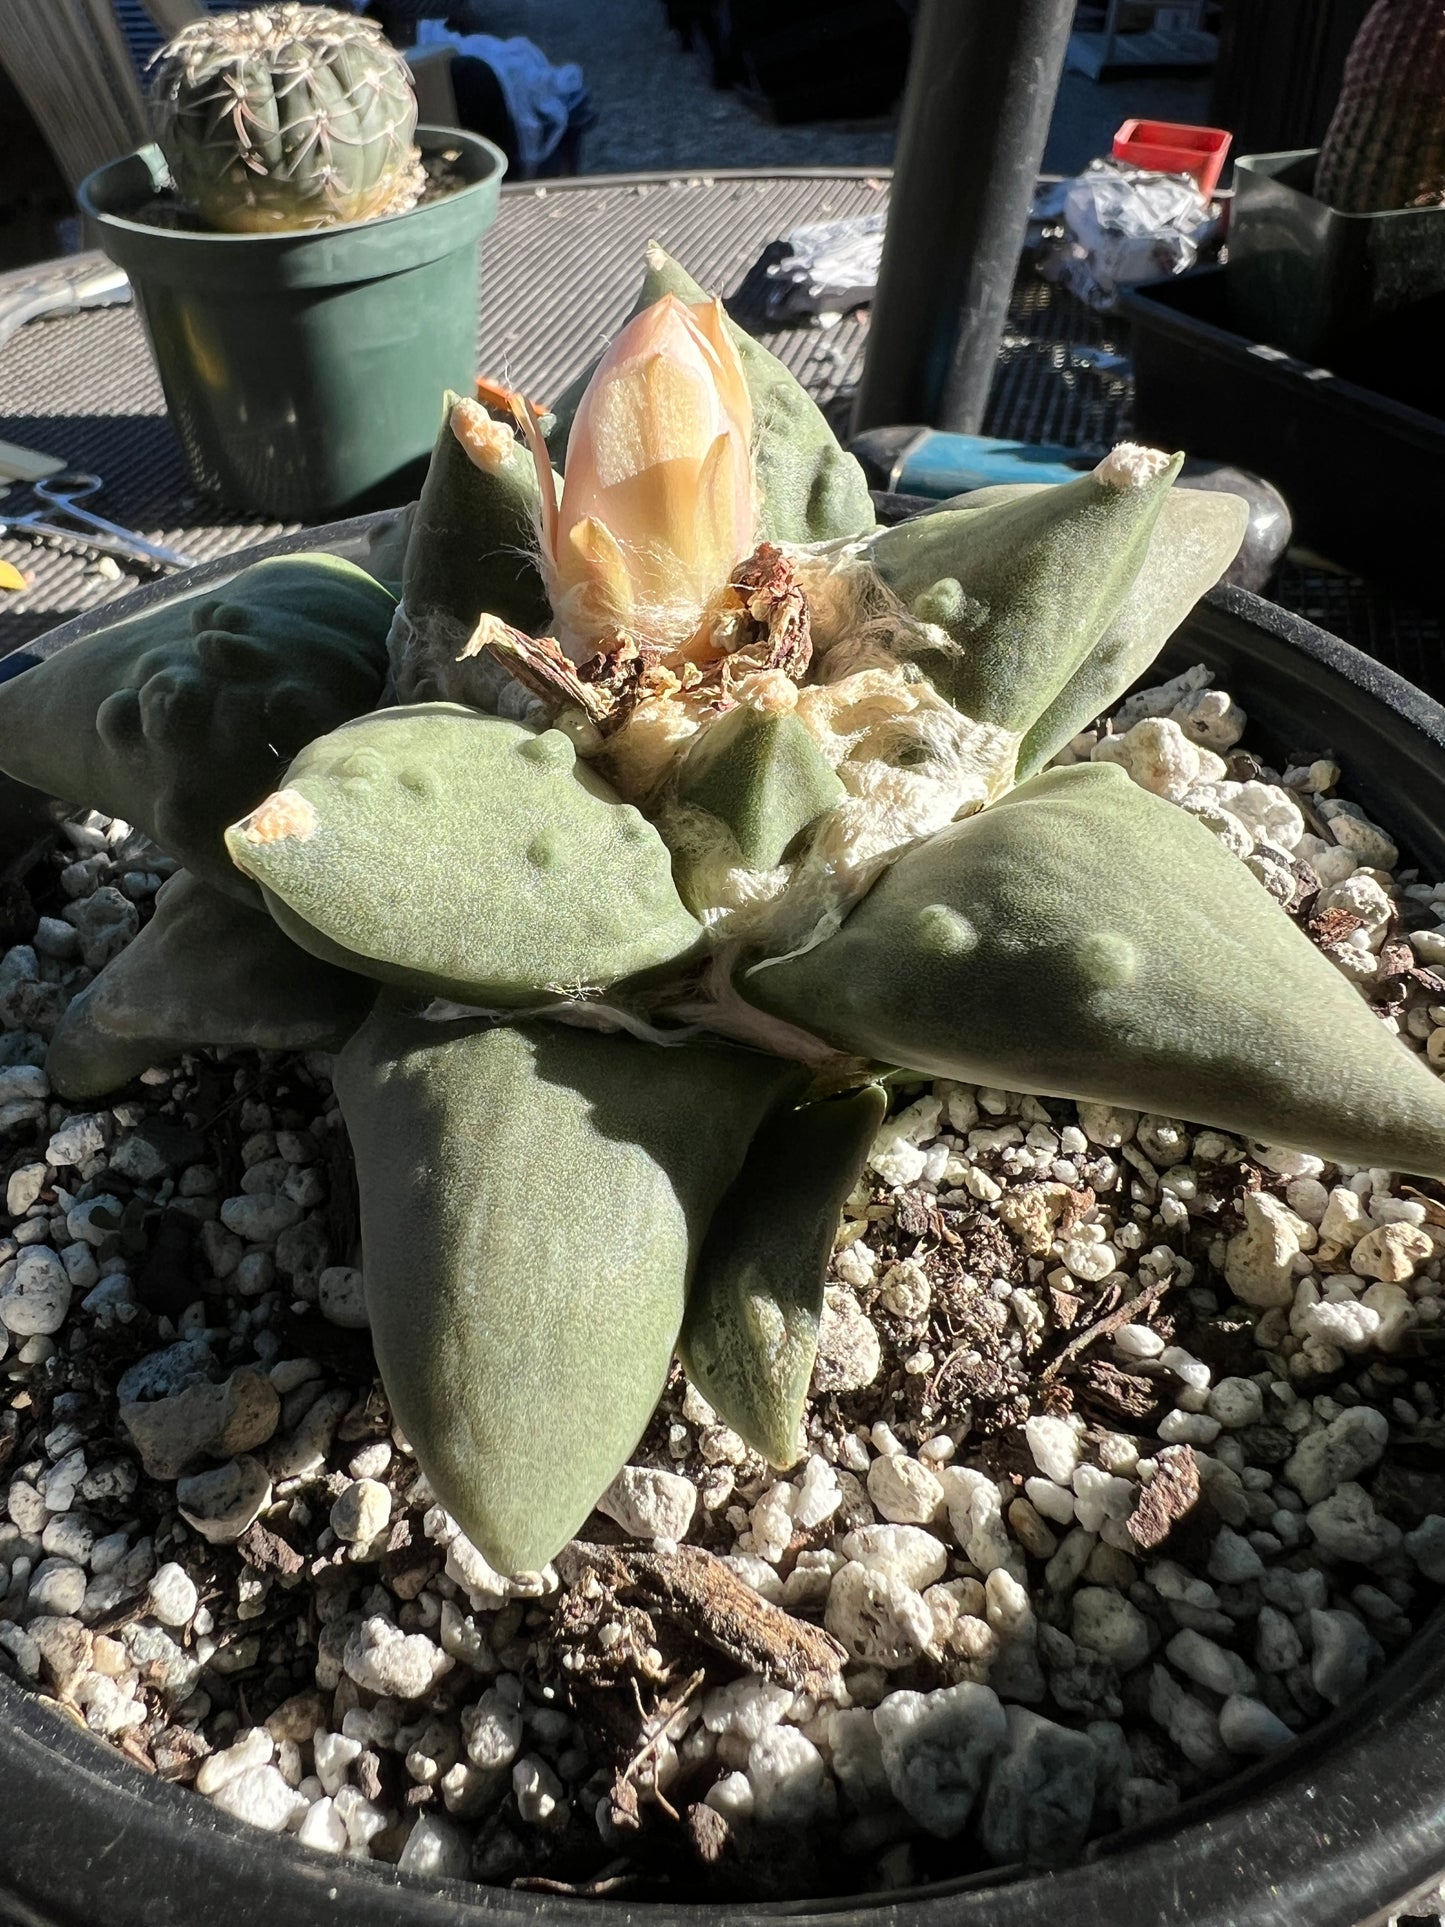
286	116
706	804
1385	145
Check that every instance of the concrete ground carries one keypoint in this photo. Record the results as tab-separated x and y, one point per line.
657	109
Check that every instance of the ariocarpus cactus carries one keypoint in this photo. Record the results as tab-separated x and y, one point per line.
702	804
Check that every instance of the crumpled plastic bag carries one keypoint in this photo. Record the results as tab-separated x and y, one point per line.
1124	224
542	100
819	272
816	274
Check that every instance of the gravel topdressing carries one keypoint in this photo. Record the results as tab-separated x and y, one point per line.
1123	1459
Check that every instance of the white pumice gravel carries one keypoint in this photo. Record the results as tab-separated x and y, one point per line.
649	1503
172	1598
1062	1607
937	1749
341	1295
361	1511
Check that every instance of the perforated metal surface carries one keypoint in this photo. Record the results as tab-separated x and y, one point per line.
559	268
1063	371
83	388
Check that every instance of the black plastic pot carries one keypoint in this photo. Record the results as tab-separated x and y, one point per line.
1345	1824
1329	287
304	373
1362	472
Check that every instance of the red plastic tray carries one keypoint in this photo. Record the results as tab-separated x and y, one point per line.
1170	147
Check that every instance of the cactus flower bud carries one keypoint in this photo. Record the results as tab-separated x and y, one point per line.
657	504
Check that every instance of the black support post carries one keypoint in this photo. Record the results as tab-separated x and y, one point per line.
981	87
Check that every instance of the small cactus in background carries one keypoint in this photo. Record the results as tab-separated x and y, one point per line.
286	117
1385	147
710	803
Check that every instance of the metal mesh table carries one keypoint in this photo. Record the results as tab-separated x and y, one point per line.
559	268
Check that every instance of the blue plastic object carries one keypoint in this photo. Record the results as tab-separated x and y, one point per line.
931	461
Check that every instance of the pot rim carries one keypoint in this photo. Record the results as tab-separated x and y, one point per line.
1342	1825
151	157
1271	166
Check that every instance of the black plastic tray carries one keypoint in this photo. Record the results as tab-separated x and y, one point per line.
1330	286
1364	475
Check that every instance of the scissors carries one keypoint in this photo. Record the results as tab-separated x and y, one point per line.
62	494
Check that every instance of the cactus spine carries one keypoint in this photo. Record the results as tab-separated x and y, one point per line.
287	117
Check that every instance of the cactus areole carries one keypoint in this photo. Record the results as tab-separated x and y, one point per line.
673	807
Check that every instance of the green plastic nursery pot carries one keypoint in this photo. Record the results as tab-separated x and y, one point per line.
304	373
1321	284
